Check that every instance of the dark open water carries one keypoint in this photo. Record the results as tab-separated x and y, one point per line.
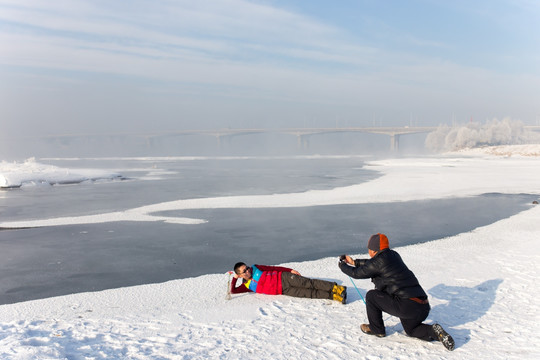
43	262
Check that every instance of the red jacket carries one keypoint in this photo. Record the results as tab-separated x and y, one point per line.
266	281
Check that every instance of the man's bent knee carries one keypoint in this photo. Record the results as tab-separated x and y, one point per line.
371	295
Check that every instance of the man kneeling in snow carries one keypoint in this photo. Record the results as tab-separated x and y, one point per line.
277	280
397	292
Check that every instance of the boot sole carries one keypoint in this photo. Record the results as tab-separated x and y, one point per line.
444	337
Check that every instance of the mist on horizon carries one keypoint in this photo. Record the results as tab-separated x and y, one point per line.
267	144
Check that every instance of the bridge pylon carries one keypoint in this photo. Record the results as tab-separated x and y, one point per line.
394	142
302	141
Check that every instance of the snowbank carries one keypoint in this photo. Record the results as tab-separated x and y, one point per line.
482	288
14	175
502	150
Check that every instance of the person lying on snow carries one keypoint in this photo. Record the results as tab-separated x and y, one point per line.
278	280
397	292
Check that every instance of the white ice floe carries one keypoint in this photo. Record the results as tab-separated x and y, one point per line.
403	179
482	287
30	172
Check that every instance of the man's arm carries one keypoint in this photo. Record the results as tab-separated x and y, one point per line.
360	262
360	270
276	268
240	289
349	260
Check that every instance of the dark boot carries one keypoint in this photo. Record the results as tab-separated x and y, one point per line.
366	330
444	337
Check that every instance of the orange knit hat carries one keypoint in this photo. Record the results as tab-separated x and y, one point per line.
378	242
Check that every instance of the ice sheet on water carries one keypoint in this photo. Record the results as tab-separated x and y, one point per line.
32	173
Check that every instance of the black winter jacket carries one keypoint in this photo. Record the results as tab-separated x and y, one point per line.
389	274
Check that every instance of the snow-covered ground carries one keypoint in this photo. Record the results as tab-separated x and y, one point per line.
482	287
504	150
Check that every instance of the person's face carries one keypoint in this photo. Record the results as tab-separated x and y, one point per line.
244	272
372	253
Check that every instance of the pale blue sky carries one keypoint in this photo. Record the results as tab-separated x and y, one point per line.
72	66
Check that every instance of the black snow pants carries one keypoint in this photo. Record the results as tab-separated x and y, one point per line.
410	313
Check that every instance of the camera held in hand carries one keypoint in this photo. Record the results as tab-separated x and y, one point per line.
342	257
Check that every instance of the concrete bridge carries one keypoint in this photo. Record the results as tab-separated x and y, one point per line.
303	134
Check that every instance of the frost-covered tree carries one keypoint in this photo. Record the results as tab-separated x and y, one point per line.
493	132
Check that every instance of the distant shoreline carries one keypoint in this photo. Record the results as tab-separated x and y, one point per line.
528	150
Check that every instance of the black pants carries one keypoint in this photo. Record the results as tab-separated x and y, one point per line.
410	313
299	286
